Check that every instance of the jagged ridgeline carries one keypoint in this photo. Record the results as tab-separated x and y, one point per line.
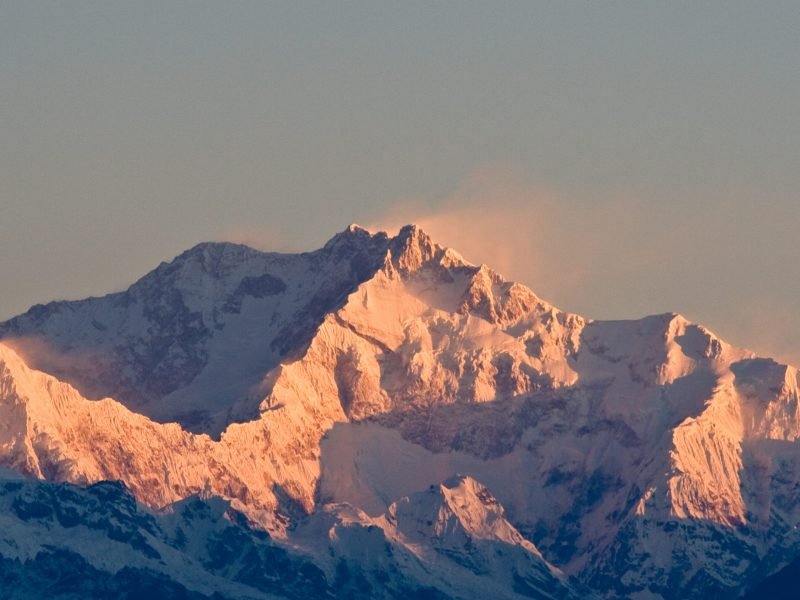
381	418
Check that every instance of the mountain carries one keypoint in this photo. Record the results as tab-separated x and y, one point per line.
62	541
347	401
191	341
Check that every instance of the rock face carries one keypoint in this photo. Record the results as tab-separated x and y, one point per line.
330	397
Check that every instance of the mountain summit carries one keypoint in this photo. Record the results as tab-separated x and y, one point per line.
192	340
382	393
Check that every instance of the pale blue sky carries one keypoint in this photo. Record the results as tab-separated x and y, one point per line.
665	137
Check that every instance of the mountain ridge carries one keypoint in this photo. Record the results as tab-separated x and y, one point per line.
613	446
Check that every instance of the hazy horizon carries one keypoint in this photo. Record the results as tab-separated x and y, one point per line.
620	160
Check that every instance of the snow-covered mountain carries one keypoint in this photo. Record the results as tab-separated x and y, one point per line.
348	401
191	341
61	541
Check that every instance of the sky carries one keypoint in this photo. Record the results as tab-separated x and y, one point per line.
620	158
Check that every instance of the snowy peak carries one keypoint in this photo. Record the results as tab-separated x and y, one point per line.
456	513
216	259
355	236
409	250
412	248
770	394
464	523
498	301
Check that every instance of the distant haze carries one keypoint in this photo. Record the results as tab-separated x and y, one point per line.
620	159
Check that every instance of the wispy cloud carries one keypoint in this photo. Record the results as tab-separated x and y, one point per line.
616	256
528	232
